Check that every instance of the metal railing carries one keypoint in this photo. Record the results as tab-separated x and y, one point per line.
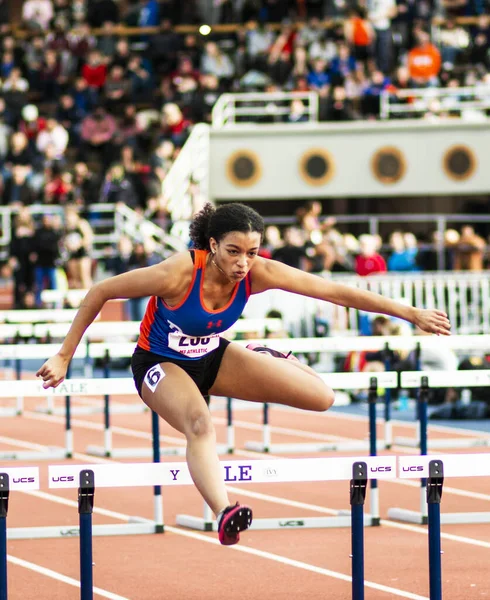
108	223
371	224
464	296
100	217
190	170
138	229
465	102
266	107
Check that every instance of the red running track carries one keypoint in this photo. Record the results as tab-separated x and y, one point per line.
182	564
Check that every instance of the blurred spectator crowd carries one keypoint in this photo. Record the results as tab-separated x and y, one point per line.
88	115
317	244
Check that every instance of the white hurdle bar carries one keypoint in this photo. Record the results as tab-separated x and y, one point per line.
27	478
290	470
42	315
438	379
337	381
455	465
82	387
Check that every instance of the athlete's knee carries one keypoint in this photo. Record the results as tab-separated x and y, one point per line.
199	424
324	397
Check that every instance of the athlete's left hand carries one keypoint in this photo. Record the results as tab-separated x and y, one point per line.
432	321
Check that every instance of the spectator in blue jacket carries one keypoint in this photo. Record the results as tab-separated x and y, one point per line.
149	14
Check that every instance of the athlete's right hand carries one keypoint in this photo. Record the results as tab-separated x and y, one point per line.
53	371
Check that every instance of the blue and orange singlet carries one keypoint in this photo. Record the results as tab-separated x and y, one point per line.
189	330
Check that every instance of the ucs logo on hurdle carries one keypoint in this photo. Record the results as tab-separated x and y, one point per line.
21	480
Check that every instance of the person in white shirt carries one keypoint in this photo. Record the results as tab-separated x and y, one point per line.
380	13
15	82
37	13
54	135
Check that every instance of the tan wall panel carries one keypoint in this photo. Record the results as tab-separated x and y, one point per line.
352	146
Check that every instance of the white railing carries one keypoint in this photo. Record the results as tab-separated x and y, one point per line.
100	217
108	223
139	229
188	176
236	109
465	102
465	296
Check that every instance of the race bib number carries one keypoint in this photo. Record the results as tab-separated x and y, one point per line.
154	376
189	345
192	346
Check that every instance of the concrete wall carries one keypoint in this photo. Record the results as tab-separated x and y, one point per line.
278	151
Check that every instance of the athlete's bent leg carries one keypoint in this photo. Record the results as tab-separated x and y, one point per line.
178	401
261	378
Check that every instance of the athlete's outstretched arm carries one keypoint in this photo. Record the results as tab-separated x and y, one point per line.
270	274
160	280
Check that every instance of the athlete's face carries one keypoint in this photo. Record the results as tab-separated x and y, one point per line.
235	253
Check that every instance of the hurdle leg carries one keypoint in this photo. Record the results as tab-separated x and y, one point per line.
423	393
19	407
85	509
434	494
157	489
68	429
230	432
374	490
400	514
266	431
357	497
388	431
4	501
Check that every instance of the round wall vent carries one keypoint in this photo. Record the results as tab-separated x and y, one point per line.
317	166
388	165
459	163
243	168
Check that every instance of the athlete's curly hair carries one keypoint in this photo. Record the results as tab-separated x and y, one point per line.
215	223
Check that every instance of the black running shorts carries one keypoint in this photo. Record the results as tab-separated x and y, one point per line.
203	371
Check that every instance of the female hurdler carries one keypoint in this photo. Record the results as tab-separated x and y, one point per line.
180	356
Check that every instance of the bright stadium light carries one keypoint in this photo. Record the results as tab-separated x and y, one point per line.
205	30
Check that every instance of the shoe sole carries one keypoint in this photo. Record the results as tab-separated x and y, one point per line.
237	520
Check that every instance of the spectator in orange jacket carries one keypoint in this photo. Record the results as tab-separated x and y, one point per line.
424	61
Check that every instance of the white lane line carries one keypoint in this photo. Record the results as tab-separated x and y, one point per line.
409	424
284	430
22	444
59	577
299	564
247	549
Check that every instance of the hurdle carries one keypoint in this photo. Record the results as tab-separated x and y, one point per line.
34	389
378	465
58	297
438	379
19	478
337	381
257	471
436	469
455	465
41	315
126	385
27	478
